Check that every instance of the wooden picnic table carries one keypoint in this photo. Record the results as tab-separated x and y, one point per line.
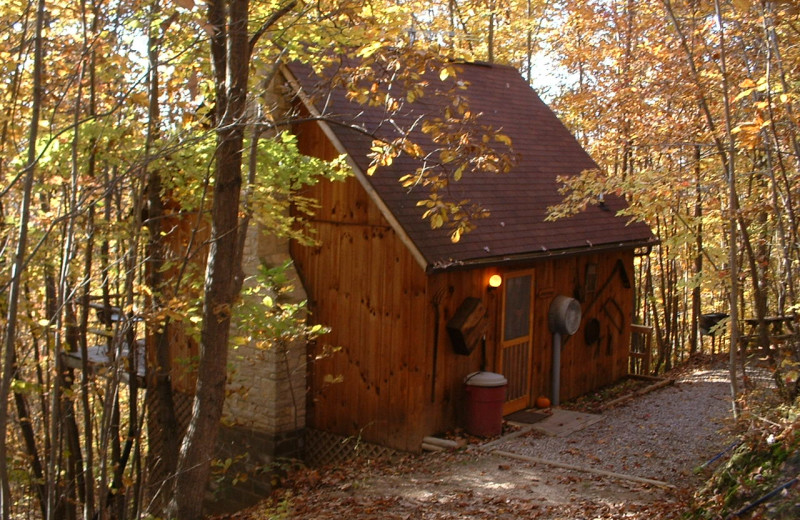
781	328
776	323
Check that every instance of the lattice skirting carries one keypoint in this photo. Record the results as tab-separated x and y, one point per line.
183	413
324	448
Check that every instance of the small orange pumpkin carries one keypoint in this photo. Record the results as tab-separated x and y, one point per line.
542	402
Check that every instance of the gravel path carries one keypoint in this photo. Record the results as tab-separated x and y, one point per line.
662	435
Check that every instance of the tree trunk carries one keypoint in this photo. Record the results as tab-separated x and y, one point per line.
29	436
695	344
230	55
787	237
19	263
733	209
73	492
165	441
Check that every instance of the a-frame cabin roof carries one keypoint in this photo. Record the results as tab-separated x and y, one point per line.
517	201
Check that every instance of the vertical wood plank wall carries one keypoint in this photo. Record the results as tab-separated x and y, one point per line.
180	230
446	404
584	366
374	375
365	379
366	375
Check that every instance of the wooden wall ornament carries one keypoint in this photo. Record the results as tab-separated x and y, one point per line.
619	269
614	313
436	302
589	282
467	326
591	331
545	293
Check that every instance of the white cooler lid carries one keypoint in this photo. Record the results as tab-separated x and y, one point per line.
485	379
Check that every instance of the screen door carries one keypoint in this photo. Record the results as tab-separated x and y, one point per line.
516	339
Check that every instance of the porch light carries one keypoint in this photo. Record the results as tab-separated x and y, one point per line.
495	281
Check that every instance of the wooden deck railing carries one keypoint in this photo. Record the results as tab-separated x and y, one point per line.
641	352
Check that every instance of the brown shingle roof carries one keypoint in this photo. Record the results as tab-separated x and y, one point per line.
517	201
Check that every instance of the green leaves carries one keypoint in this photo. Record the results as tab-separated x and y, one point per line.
26	388
268	315
282	172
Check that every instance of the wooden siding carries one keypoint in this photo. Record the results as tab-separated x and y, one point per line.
584	366
445	397
367	375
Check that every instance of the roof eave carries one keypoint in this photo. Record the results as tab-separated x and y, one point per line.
509	260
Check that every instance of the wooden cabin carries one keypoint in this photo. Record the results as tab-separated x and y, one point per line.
388	285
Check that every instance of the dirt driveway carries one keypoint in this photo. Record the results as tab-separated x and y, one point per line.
662	436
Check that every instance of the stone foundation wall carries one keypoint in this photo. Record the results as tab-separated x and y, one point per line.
267	386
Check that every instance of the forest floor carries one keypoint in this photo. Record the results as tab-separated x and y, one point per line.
641	460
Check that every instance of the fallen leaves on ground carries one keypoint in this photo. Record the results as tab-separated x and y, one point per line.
425	487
